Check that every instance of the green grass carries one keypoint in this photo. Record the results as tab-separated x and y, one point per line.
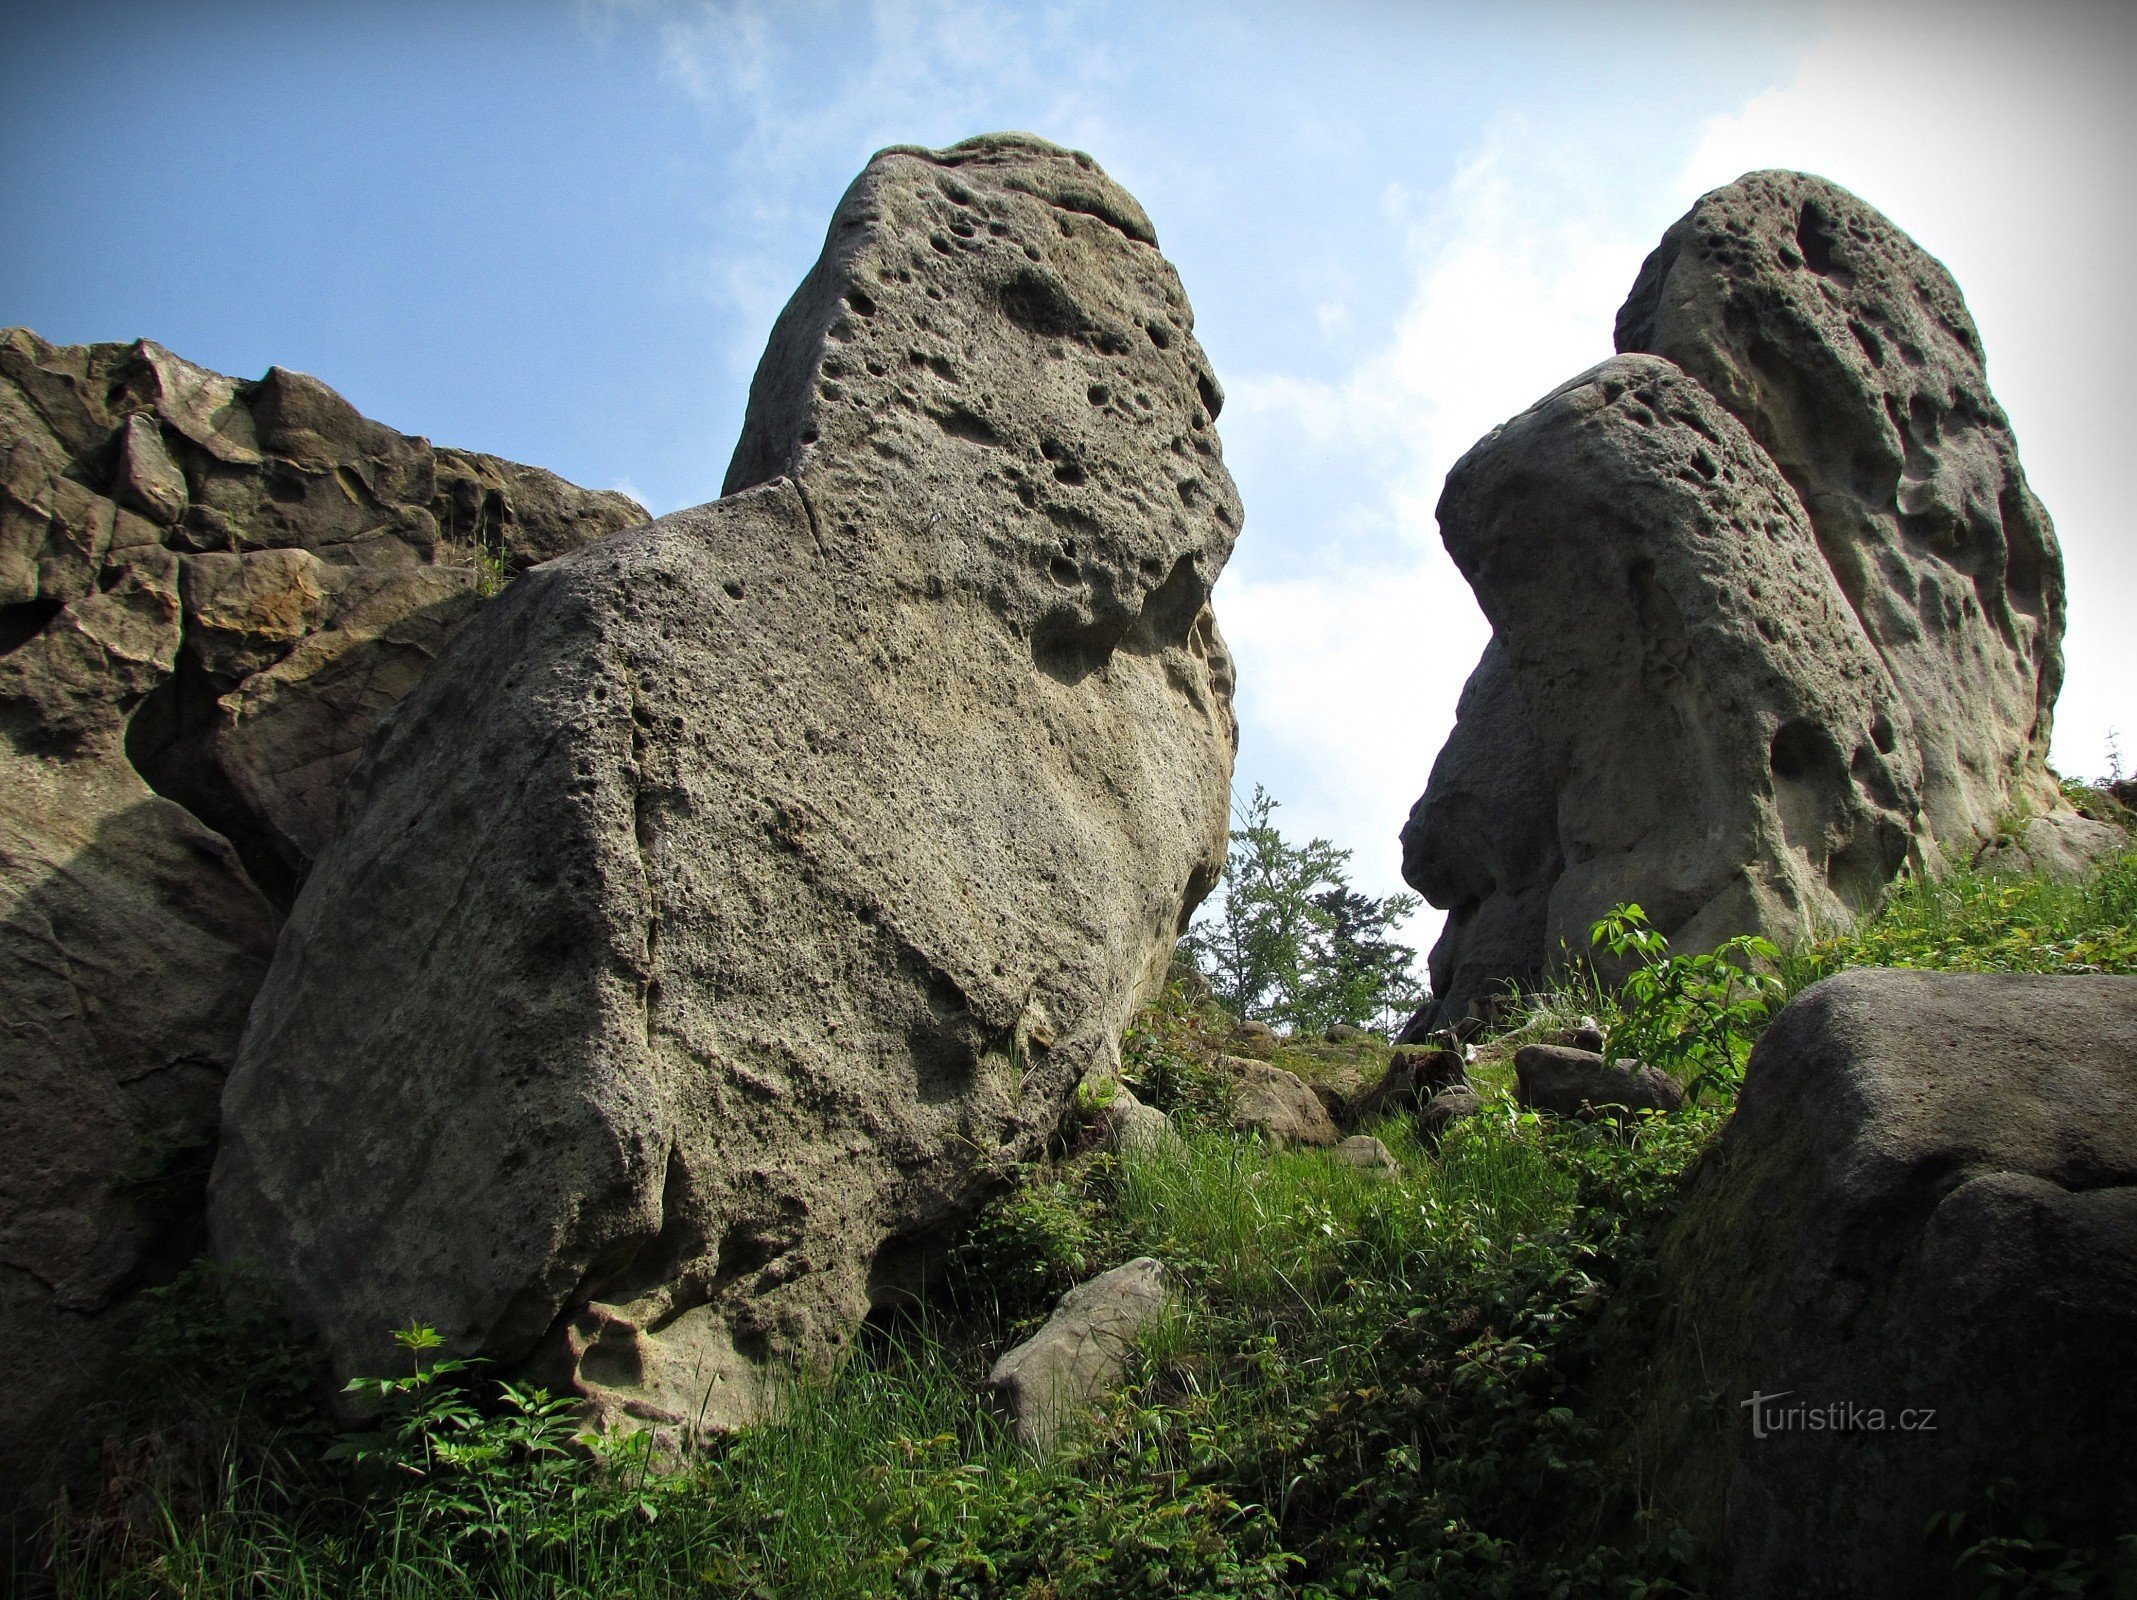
1369	1387
1975	922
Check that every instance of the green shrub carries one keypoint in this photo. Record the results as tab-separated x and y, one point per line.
1976	922
1694	1016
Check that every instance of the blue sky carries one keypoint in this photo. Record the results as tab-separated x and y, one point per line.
561	231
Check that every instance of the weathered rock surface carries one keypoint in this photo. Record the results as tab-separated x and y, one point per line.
1049	1380
1580	1083
1276	1104
1717	723
1136	1129
1773	608
743	896
2061	845
1848	352
1482	843
1445	1109
1925	1206
1368	1155
210	590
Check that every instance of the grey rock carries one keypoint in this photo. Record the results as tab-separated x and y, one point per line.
1848	352
1482	844
1580	1083
1709	708
1786	618
1276	1104
2061	845
1344	1033
1368	1155
159	571
1923	1202
1445	1109
741	896
1136	1129
1254	1028
1049	1381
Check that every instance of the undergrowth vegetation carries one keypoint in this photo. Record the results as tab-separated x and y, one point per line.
1369	1386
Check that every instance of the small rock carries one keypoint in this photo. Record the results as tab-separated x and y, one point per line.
1277	1104
1587	1034
1254	1029
1579	1083
1134	1128
1445	1109
1344	1033
1081	1351
1368	1154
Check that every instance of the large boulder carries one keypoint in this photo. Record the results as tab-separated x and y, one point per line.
1848	352
210	592
1774	611
1721	736
743	897
1909	1272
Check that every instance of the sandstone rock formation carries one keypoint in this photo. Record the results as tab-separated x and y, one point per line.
744	896
1924	1207
210	591
1773	609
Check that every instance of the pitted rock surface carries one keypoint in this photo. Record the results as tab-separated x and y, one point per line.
743	897
1722	733
1848	352
1786	620
210	592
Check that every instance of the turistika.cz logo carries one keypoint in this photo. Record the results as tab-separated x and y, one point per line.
1769	1416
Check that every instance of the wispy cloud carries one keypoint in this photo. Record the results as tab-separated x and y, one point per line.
1349	670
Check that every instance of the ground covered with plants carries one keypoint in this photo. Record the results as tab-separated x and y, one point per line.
1371	1387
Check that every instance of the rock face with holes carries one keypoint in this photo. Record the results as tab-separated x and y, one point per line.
1924	1208
210	591
744	897
1773	609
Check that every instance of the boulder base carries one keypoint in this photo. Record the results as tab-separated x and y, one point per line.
1921	1221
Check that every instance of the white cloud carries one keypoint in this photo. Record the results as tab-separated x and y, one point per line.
1349	673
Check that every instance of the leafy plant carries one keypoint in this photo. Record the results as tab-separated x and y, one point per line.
517	1474
1694	1016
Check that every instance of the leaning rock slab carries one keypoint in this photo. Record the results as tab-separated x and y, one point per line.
193	568
1046	1382
1925	1206
741	897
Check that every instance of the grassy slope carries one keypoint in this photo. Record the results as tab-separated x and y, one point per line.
1371	1387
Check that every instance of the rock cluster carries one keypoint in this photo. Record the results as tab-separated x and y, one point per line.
210	591
1908	1272
1773	609
744	896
